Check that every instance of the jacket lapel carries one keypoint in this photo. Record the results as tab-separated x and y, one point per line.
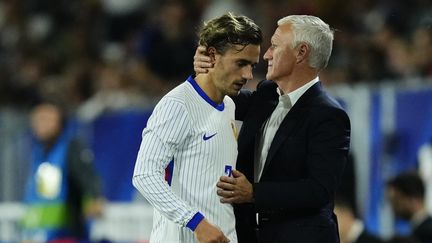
291	121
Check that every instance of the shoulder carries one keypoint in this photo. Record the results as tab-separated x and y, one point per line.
266	85
324	106
179	93
330	108
426	225
265	90
326	103
228	101
319	99
176	98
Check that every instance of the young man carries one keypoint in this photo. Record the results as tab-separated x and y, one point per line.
294	142
351	227
190	139
406	193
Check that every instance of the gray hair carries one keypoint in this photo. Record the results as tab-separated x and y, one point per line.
315	33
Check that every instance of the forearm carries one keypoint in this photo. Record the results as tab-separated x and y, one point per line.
159	194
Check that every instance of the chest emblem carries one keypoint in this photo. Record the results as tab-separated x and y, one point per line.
205	137
48	180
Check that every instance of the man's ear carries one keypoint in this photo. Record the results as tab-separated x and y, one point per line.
303	51
212	54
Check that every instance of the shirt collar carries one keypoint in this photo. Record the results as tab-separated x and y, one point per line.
295	95
355	231
219	107
419	217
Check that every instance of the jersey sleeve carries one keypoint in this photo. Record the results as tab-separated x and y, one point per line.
166	130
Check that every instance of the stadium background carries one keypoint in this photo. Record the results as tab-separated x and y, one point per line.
109	61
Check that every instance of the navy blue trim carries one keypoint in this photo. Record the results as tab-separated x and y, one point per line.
169	170
196	219
219	107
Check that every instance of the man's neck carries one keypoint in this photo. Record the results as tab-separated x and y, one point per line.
207	85
296	80
419	216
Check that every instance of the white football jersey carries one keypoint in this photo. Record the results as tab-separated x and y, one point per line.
187	145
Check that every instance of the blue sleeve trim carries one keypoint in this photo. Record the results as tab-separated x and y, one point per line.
196	219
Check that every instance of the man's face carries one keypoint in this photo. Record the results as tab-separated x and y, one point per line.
400	204
46	122
234	68
281	56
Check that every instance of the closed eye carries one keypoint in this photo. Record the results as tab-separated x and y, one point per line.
244	63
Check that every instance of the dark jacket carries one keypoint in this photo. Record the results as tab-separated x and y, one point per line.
366	237
295	195
423	231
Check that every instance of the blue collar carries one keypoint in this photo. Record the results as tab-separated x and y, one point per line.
219	107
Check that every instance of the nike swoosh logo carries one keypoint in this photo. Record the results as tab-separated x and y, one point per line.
205	138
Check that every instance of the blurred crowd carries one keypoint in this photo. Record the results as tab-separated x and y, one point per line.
99	55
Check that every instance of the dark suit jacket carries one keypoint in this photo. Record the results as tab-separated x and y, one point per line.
294	197
423	232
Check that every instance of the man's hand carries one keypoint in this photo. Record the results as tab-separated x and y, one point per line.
208	233
94	208
236	189
202	62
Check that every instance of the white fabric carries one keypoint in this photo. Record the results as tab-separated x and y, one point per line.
175	130
419	217
355	231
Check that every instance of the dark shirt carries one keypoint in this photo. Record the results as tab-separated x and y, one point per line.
83	184
423	232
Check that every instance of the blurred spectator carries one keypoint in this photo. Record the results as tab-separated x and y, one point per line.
123	17
406	193
422	50
351	228
168	41
216	8
155	41
63	191
116	90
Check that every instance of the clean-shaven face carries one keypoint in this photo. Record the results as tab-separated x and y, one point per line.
400	204
46	122
280	55
234	68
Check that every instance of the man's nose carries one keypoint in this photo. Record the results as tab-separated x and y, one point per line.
267	55
247	73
